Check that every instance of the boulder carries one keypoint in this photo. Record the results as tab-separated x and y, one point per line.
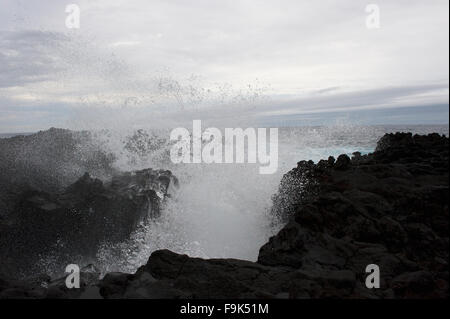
82	217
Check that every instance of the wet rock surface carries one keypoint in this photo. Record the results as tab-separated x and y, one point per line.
50	160
78	220
388	208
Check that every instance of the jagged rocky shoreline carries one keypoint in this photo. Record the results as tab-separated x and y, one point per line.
78	220
388	208
48	212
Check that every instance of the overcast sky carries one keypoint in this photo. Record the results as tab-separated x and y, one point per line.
259	59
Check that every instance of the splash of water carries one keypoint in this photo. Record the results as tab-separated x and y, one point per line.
219	210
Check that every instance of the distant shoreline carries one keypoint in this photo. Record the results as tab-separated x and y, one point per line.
8	135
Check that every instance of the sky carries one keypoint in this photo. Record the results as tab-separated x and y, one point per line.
283	61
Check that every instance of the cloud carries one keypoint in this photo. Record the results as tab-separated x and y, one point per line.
367	99
28	56
307	56
125	43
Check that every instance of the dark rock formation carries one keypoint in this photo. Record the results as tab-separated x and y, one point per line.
388	208
50	160
78	220
41	215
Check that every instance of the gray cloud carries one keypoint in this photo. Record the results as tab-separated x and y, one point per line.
371	98
27	56
302	56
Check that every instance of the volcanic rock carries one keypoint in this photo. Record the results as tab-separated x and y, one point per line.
83	216
388	208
